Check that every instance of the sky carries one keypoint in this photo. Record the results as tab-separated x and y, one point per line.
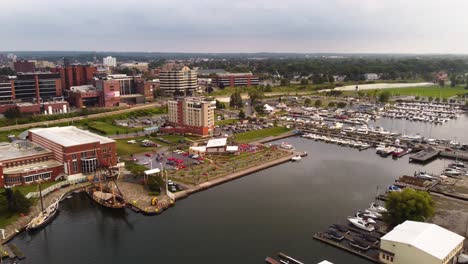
216	26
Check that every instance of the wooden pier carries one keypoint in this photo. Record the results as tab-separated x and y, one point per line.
424	156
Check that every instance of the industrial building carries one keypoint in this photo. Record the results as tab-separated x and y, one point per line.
193	115
52	152
178	80
416	242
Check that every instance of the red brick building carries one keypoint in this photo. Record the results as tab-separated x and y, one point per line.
236	79
53	152
109	92
24	66
75	75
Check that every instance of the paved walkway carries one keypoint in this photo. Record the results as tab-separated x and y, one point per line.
137	196
19	225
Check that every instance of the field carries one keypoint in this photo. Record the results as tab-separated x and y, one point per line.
258	134
108	128
431	91
126	150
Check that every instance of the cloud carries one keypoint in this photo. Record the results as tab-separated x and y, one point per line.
232	26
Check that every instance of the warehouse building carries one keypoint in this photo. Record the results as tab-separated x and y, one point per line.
416	242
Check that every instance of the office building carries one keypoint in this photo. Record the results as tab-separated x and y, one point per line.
417	242
24	66
109	61
193	115
75	75
236	79
371	76
177	80
140	66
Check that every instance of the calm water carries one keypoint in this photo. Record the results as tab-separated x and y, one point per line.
243	221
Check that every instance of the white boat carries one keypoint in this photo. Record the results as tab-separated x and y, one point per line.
451	172
336	125
349	129
361	224
296	158
365	145
425	176
366	219
380	147
376	214
285	145
363	130
44	217
377	208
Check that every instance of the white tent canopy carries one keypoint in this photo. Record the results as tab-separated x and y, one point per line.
153	171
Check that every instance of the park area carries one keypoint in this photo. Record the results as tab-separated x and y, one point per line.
427	91
215	166
253	135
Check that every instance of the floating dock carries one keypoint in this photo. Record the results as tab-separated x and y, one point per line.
289	259
424	156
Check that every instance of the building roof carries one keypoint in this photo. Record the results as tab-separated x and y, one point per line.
430	238
83	88
20	149
152	171
325	262
70	136
211	71
232	148
218	142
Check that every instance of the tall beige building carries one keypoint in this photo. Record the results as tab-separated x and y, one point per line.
194	114
177	80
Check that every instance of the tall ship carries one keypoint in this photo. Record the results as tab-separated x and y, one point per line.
105	190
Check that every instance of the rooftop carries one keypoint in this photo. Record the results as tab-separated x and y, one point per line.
218	142
430	238
83	88
70	136
19	149
211	71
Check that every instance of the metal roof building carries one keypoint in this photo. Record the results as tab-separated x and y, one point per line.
416	242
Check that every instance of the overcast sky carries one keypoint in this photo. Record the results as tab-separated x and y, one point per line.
380	26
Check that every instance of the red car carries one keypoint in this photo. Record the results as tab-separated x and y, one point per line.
148	154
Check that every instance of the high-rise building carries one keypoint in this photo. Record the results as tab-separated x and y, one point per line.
192	115
24	66
109	61
75	75
178	80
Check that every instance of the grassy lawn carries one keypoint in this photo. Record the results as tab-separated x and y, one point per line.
434	91
259	134
226	122
125	149
108	128
25	189
172	138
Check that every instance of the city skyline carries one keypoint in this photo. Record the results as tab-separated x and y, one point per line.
209	26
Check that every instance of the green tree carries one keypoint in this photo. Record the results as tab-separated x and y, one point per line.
437	99
16	201
331	79
430	99
332	104
384	97
236	100
307	101
417	98
12	113
284	82
360	94
341	105
220	105
241	114
453	80
267	89
408	204
255	96
304	81
318	103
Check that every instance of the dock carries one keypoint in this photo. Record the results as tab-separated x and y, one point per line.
425	156
290	259
271	260
11	251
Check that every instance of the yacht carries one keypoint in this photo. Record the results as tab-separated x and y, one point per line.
380	147
370	214
376	214
44	217
336	125
359	223
425	176
366	219
451	172
363	130
349	129
377	208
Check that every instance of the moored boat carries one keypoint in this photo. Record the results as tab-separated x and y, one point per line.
44	217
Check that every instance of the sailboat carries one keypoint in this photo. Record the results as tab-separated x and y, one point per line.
45	216
108	193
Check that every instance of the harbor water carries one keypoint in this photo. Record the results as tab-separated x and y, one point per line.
243	221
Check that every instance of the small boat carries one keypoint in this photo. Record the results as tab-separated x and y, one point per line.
271	260
366	219
334	234
451	172
69	196
287	146
357	222
377	208
296	158
380	147
372	213
108	193
393	188
458	164
425	176
44	217
359	244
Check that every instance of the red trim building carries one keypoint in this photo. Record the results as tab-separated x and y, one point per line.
75	75
53	152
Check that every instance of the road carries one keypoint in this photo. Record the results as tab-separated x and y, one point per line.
63	120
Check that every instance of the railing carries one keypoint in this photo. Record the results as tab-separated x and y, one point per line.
55	187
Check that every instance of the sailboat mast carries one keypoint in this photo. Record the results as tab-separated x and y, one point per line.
113	191
40	193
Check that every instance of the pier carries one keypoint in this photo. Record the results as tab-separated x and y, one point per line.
425	156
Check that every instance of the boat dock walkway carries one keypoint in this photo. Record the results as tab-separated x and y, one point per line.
11	251
424	156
